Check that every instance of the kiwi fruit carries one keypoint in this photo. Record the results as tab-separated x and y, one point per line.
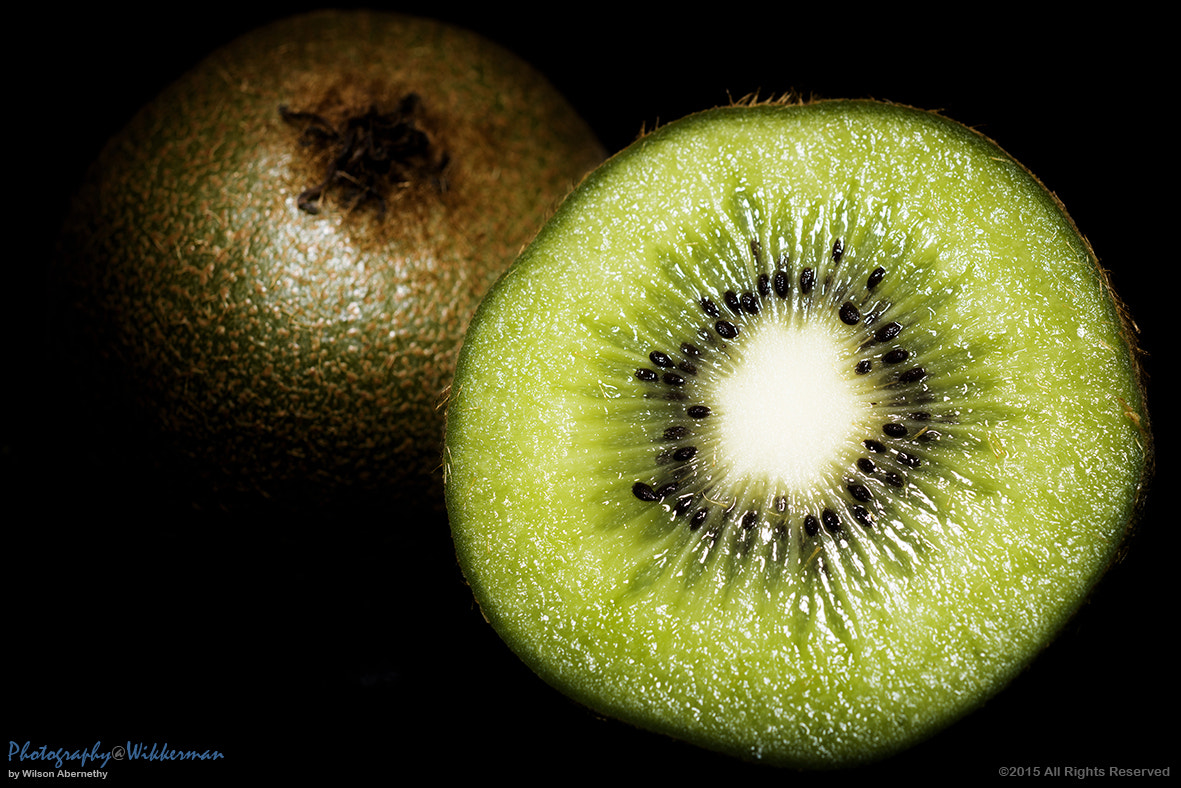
797	432
281	252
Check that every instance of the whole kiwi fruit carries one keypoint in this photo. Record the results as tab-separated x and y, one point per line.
797	432
281	252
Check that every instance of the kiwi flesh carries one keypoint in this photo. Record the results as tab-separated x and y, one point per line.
279	255
796	433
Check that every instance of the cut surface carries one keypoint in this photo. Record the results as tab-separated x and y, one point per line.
796	433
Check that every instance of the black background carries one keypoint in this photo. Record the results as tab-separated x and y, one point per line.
346	645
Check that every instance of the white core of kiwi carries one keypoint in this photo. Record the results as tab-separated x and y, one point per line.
786	409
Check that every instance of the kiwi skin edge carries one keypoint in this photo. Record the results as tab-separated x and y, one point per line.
474	536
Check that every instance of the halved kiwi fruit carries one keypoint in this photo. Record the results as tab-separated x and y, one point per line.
796	433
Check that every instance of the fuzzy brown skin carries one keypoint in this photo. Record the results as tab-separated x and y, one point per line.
304	356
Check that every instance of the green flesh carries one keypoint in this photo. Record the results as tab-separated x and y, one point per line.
1019	472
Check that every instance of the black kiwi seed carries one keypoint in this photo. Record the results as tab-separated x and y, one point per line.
710	307
894	430
875	278
731	299
866	465
690	350
896	356
888	332
863	367
660	359
644	492
874	446
698	411
832	523
850	315
807	280
913	375
838	249
646	374
909	460
684	453
687	368
749	519
764	285
698	518
781	284
673	379
859	491
861	515
811	525
749	303
675	433
726	330
683	505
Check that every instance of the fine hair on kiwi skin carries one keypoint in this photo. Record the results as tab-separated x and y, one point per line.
932	397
